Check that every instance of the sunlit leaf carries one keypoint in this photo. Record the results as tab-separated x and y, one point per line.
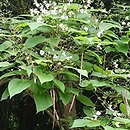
33	41
16	86
42	76
60	85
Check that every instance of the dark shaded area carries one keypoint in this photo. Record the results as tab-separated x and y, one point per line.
19	113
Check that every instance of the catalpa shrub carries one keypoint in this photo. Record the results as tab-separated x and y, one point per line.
68	60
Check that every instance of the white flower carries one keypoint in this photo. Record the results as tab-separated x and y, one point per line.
99	33
55	57
35	11
98	113
42	52
68	58
47	5
64	53
110	107
31	12
54	12
27	58
128	24
64	17
96	20
115	64
81	11
59	63
99	47
63	27
19	69
95	117
65	8
128	75
123	23
54	4
44	11
127	17
70	0
117	124
60	11
89	1
71	13
123	70
86	29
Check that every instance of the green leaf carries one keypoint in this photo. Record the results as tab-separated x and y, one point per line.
42	76
111	34
97	83
80	71
85	83
42	101
5	94
88	111
122	46
16	86
65	97
33	41
122	120
27	68
34	25
60	85
85	100
16	72
70	76
106	26
5	64
5	45
91	53
85	122
120	89
123	108
112	128
73	90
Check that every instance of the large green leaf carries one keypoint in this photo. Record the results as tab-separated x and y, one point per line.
34	25
16	86
85	122
33	41
122	45
60	85
106	26
42	76
42	101
85	100
65	97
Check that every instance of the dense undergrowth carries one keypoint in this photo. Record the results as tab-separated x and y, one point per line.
73	60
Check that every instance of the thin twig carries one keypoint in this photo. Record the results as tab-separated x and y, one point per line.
81	67
72	103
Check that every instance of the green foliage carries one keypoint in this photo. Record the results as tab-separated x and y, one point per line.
65	55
